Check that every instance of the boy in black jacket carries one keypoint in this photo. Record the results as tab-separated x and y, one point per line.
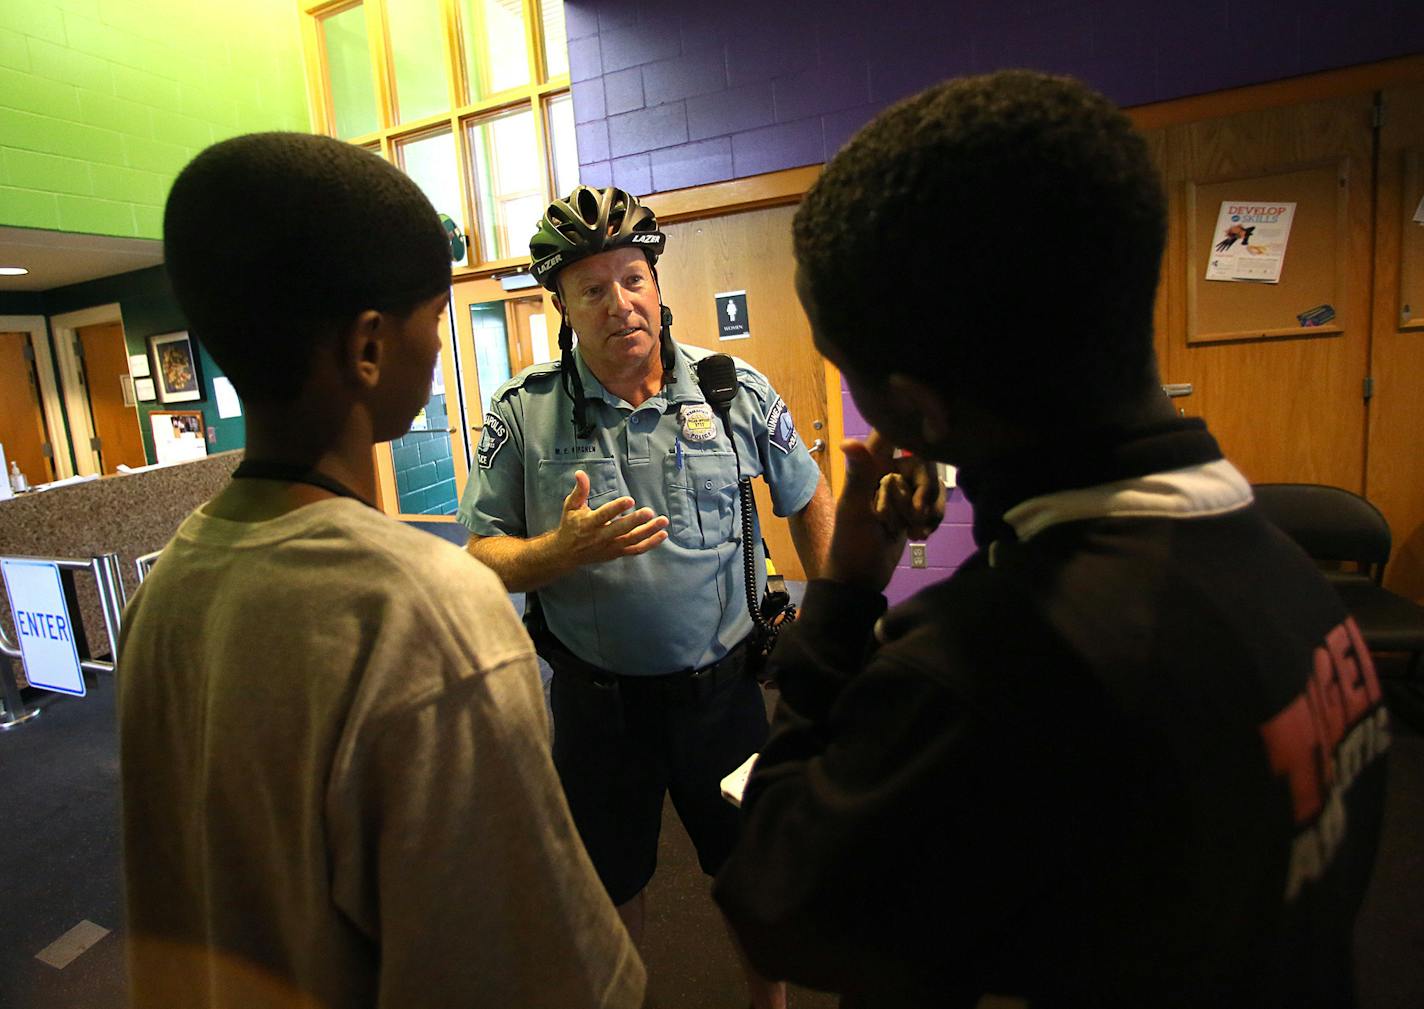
1130	753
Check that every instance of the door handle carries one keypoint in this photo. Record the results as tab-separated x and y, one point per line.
1176	389
816	446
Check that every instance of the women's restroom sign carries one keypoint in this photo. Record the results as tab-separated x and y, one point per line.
1249	243
732	322
43	625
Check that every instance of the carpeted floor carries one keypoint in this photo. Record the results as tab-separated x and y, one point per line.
59	866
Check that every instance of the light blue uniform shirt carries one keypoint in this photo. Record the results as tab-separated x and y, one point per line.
682	604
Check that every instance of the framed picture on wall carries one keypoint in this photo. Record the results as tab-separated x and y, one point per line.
175	368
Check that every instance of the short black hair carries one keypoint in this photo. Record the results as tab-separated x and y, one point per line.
275	241
1003	234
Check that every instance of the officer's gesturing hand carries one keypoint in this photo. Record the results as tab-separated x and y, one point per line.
588	536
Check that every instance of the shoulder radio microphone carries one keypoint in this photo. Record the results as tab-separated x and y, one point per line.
717	378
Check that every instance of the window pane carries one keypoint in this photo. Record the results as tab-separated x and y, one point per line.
508	181
491	349
562	147
418	52
348	68
430	162
496	57
556	44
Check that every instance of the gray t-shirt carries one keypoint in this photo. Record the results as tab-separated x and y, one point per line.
336	780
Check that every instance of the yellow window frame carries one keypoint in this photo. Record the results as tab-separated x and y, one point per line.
460	116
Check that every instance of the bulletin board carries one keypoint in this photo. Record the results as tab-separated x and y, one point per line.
1411	245
1315	269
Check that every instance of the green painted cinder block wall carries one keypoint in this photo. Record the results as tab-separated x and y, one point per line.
102	102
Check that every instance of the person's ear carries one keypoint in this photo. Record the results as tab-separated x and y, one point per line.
924	403
559	305
363	348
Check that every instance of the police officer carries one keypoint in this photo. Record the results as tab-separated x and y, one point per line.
608	485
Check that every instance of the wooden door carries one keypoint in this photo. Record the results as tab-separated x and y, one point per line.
116	425
751	252
22	429
530	339
1285	400
1394	478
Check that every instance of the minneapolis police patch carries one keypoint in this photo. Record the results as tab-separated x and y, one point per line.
779	427
496	433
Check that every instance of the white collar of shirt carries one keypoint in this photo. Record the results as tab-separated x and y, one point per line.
1213	488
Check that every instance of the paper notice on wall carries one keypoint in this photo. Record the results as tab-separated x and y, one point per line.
178	437
1249	242
228	403
138	365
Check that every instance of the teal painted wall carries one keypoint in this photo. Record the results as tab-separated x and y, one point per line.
102	102
148	308
21	303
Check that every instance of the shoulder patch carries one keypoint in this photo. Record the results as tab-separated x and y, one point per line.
496	434
779	427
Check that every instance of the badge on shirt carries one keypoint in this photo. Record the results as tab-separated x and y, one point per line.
496	433
697	422
779	427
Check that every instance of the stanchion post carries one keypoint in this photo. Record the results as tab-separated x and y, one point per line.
15	711
110	585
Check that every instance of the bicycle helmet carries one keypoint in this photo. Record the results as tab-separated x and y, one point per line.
587	222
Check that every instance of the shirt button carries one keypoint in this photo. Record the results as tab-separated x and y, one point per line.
708	485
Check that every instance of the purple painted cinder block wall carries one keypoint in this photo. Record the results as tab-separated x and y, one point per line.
674	93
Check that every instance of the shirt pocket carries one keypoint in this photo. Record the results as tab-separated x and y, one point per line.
701	498
556	480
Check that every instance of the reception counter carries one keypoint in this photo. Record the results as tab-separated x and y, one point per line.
130	514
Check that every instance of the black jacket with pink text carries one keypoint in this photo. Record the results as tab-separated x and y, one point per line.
1130	754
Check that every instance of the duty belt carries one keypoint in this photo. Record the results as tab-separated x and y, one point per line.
695	683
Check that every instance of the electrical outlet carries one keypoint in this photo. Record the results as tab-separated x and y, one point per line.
917	555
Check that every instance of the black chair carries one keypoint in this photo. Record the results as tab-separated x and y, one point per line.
1338	527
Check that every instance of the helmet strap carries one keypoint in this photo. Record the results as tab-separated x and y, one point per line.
572	381
669	355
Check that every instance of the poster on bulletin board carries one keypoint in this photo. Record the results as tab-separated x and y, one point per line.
178	435
1249	244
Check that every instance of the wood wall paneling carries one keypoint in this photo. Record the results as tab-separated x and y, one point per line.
1288	407
1395	474
1157	148
751	251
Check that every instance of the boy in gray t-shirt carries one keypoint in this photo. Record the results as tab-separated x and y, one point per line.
337	784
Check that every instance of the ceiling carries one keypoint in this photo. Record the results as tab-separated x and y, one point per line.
57	258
